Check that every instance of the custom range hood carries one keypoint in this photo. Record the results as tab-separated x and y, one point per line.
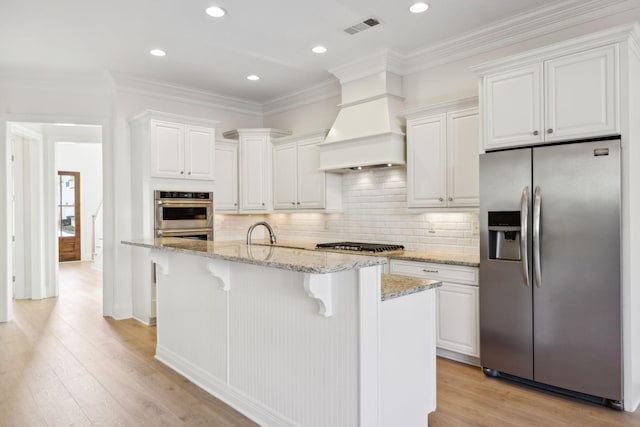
369	130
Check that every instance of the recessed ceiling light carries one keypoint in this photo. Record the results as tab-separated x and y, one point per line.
157	52
253	77
418	7
319	49
216	11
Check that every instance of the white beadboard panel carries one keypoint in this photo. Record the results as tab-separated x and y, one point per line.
375	210
316	386
179	311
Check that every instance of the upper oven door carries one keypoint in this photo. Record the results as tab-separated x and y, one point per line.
172	214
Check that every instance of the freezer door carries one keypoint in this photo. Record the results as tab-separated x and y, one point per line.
505	287
576	298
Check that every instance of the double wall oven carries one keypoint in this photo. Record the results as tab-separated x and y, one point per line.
187	214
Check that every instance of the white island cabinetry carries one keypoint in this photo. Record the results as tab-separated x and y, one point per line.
294	337
457	307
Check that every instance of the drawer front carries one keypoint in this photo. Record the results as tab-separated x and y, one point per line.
434	271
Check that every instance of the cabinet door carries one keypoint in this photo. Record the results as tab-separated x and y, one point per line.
463	174
199	152
167	149
285	176
582	95
255	173
457	318
311	181
426	161
513	105
226	194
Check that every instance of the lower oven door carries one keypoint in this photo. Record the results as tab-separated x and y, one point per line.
195	234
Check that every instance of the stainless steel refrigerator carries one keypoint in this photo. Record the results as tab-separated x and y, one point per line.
550	296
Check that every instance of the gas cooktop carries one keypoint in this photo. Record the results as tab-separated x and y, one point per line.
360	247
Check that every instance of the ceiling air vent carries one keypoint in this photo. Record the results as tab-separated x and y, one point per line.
361	26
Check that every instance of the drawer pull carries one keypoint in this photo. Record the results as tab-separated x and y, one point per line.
430	271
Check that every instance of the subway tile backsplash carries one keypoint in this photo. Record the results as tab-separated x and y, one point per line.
375	210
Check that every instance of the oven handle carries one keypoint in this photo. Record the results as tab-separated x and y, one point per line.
184	203
182	231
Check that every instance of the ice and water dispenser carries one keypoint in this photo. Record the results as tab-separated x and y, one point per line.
504	235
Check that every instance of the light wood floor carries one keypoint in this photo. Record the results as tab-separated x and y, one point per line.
62	363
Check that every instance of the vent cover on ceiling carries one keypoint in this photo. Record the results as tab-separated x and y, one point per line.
361	26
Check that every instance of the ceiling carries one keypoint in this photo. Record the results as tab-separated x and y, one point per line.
272	39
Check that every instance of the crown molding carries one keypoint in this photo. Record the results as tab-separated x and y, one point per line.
311	95
617	34
173	92
522	27
441	107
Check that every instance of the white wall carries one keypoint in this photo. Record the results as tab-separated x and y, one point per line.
85	158
42	97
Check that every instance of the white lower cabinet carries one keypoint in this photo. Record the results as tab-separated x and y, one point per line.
457	307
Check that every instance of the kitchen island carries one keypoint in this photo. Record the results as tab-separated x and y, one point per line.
293	337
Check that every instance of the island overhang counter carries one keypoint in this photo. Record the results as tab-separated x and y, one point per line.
293	337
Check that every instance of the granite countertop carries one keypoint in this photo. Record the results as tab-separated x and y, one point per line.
407	255
287	258
394	286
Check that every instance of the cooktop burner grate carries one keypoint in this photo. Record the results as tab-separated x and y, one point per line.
360	247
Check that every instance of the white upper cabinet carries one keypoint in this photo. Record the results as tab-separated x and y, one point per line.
581	95
426	161
551	98
514	107
285	179
442	158
255	167
179	150
226	190
463	167
297	181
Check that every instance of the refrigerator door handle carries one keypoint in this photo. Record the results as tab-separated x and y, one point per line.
524	220
537	277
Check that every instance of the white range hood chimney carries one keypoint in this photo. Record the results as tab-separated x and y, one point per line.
368	130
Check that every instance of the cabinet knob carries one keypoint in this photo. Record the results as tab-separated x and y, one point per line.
235	204
263	204
440	199
181	172
189	173
298	202
293	203
451	199
549	130
535	132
